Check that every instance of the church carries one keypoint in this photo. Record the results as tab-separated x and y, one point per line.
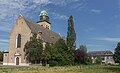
21	33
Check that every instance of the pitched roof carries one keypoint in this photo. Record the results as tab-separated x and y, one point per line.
47	35
100	53
6	51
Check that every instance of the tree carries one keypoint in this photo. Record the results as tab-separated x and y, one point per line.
71	35
116	55
98	60
1	56
71	38
81	54
33	49
58	53
46	54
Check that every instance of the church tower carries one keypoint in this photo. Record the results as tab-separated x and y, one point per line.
44	20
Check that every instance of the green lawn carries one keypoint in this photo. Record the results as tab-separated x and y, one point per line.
69	69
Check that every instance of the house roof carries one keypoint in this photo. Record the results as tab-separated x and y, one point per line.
47	35
6	51
43	21
100	53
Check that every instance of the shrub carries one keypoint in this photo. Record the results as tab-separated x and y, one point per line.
53	63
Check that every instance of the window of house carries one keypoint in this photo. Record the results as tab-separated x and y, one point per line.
110	57
18	41
22	22
46	26
103	58
107	57
5	54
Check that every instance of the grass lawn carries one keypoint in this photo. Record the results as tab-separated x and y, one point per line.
65	69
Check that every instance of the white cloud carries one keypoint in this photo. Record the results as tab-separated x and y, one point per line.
96	11
5	28
62	2
4	40
79	5
3	46
3	43
59	16
107	39
10	9
89	29
99	47
55	2
94	45
41	1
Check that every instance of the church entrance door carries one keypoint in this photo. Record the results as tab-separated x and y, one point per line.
17	61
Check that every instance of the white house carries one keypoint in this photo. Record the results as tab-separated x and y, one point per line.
106	56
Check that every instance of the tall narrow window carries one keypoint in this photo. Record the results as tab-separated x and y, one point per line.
18	42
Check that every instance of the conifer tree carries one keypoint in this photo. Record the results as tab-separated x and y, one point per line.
71	35
1	56
116	55
71	38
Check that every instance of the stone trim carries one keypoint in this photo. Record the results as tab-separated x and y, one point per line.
14	64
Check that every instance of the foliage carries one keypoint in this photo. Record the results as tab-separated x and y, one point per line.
1	56
116	55
71	35
98	60
46	55
89	60
53	63
61	53
71	38
81	54
33	49
58	53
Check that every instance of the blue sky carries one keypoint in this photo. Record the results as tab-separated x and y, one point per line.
97	22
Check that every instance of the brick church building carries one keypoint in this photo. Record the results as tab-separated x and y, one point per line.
21	33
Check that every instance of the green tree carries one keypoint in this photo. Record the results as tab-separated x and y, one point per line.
71	38
71	35
116	55
46	54
98	60
47	51
34	49
81	54
1	56
58	53
89	60
62	56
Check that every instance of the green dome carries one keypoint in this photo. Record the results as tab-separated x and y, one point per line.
43	13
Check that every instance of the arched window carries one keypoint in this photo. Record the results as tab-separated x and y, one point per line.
18	41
